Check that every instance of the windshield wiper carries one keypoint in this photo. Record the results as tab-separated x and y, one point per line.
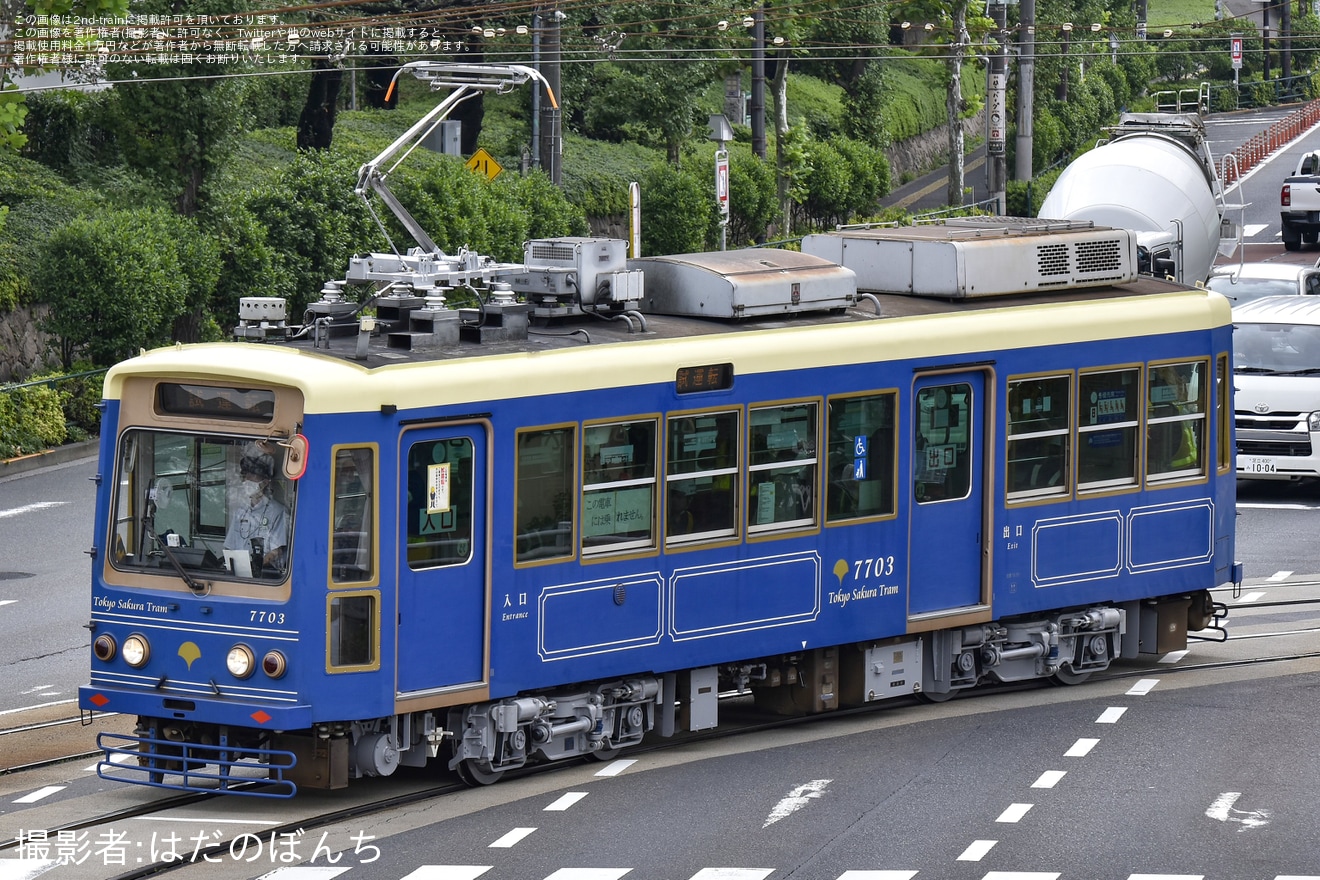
164	547
1253	370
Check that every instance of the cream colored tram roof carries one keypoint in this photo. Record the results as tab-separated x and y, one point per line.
908	327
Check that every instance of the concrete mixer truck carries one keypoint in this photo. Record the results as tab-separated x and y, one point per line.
1155	176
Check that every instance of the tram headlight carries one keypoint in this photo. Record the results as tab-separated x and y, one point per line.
274	664
136	651
105	647
1313	421
240	661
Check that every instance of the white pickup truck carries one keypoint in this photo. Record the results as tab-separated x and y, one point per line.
1299	203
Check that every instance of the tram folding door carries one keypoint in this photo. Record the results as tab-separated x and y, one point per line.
947	535
442	563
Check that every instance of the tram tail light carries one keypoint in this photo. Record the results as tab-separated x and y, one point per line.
105	648
274	664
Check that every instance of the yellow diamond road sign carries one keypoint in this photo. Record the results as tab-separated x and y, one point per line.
484	164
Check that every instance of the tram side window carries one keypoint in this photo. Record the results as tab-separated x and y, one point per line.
353	516
1039	425
941	456
351	634
781	467
546	493
861	462
702	478
440	503
1108	418
1175	429
618	486
1224	423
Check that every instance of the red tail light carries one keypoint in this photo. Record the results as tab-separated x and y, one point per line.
1285	196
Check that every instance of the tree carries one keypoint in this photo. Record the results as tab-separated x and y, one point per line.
179	127
117	292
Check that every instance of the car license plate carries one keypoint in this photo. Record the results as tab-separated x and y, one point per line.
1256	464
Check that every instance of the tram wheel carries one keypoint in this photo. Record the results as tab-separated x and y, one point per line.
476	773
606	754
1065	676
934	697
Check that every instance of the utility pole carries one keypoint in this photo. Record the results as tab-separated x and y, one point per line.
1061	90
1285	36
1026	90
536	90
758	81
996	102
551	136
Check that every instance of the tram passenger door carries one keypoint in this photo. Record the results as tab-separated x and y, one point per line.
442	559
948	463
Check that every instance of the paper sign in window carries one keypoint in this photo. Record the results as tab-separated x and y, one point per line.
437	488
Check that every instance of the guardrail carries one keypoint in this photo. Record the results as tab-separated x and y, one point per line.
1264	144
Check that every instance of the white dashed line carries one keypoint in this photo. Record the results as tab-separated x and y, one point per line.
1014	813
588	874
1111	715
565	802
877	875
511	839
1280	576
39	794
1143	687
1081	748
448	872
1251	597
29	508
1020	875
1173	657
25	869
1049	779
733	874
4	602
614	768
304	872
977	850
1166	877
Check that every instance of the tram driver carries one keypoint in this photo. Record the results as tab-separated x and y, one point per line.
259	523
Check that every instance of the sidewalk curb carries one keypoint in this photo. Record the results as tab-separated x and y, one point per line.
48	458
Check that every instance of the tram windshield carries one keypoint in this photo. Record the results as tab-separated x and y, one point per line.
206	505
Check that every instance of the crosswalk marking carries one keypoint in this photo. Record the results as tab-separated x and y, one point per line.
1173	657
588	874
1143	687
614	768
1014	813
877	875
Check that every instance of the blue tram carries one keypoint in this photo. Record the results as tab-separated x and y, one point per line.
903	462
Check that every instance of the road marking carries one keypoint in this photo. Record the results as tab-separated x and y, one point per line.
211	819
1253	229
877	875
1173	657
796	800
614	768
448	872
25	869
43	706
1111	715
1143	687
588	874
304	872
1049	779
1166	877
1222	809
117	758
732	874
4	602
1279	576
40	793
1250	597
511	839
1020	875
977	850
30	508
565	802
1081	748
1014	813
1274	505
